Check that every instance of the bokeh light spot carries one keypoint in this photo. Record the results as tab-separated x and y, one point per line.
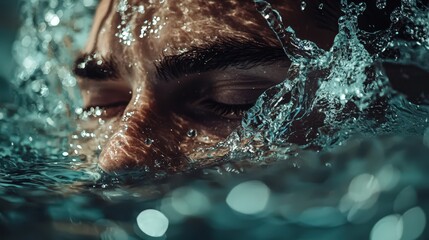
388	228
152	222
189	202
249	197
414	223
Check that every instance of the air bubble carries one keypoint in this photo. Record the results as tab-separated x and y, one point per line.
192	133
303	5
395	16
381	4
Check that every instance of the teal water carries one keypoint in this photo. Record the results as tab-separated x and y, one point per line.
360	176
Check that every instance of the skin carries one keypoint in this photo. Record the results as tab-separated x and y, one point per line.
144	121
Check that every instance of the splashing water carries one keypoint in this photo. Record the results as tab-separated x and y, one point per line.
381	4
338	93
293	47
374	188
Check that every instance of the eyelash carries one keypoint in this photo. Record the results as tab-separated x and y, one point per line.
108	110
226	110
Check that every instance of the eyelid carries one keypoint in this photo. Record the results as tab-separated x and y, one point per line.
242	91
243	82
229	111
105	94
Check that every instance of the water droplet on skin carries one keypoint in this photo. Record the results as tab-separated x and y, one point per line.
101	121
148	141
122	6
192	133
98	111
140	9
78	111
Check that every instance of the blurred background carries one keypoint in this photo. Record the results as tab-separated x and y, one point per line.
9	25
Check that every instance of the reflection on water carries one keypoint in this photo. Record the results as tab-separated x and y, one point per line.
361	184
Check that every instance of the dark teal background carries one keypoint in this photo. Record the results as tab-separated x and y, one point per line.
9	24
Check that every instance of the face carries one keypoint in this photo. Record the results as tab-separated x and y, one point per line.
161	79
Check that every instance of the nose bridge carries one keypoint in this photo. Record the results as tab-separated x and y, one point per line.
144	139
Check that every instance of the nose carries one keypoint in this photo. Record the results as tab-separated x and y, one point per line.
145	139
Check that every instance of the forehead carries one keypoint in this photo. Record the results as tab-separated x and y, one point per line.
185	14
170	25
196	18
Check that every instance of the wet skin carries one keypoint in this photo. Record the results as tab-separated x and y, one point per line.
204	64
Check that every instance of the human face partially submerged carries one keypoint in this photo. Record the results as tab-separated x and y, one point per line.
171	77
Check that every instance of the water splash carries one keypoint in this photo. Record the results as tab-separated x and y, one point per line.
34	148
294	48
381	4
349	76
329	96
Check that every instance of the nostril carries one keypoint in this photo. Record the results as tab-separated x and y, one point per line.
410	80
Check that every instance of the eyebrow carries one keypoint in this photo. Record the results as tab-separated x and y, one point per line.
219	55
216	55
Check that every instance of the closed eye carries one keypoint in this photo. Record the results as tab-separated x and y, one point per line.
223	95
228	111
100	84
93	66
